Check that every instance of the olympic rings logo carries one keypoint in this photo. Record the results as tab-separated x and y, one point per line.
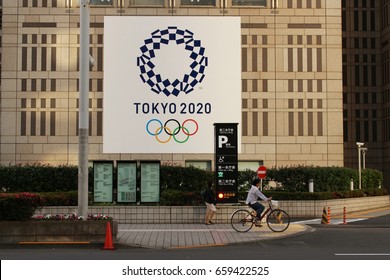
155	127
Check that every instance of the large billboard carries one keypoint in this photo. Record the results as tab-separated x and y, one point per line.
167	80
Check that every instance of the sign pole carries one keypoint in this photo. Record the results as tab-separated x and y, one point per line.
83	111
261	173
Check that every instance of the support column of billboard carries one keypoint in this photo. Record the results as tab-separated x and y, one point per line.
226	162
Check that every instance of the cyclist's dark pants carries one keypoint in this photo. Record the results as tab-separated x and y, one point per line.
258	207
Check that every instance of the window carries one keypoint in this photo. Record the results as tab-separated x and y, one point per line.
101	2
205	165
249	165
197	2
261	3
147	2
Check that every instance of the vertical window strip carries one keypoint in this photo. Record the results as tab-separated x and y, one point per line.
53	59
244	62
254	60
291	123
23	123
265	123
290	85
309	60
33	59
90	123
319	60
320	131
264	59
33	123
255	124
52	123
244	123
244	85
24	85
310	128
24	58
99	125
43	124
290	60
254	86
265	85
43	85
300	123
43	58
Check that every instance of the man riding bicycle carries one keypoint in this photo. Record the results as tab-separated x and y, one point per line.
253	195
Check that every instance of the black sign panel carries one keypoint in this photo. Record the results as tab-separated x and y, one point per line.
226	162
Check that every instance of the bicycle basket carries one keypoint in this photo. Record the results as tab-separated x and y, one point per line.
275	203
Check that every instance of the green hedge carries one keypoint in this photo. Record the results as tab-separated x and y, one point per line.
326	179
40	178
184	185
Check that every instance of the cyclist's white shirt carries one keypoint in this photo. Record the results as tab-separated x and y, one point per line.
254	194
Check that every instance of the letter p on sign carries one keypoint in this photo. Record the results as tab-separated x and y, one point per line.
222	140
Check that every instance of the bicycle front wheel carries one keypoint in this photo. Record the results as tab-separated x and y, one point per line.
278	220
241	220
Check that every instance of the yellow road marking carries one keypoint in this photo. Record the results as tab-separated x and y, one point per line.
198	246
51	242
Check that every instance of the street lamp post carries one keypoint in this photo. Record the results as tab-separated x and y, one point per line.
359	146
364	151
83	110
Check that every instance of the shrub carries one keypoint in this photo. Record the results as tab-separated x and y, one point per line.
39	178
179	197
189	179
19	206
60	198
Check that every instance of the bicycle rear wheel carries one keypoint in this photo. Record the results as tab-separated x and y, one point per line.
278	220
241	220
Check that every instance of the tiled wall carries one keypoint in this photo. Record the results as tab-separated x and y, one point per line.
195	214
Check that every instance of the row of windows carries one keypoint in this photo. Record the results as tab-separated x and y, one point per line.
369	44
360	20
365	131
299	4
361	98
363	58
361	114
359	3
124	3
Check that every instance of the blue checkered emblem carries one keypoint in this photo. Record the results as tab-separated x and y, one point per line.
196	69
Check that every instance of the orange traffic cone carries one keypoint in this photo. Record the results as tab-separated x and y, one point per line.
108	244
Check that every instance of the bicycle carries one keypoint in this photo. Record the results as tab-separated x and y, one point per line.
277	220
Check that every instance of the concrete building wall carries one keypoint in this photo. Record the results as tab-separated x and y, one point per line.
292	109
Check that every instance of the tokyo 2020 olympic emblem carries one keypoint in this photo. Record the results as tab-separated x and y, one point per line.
196	69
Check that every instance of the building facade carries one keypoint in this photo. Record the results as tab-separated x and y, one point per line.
314	80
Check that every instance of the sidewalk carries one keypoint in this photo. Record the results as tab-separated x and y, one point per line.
195	235
201	235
